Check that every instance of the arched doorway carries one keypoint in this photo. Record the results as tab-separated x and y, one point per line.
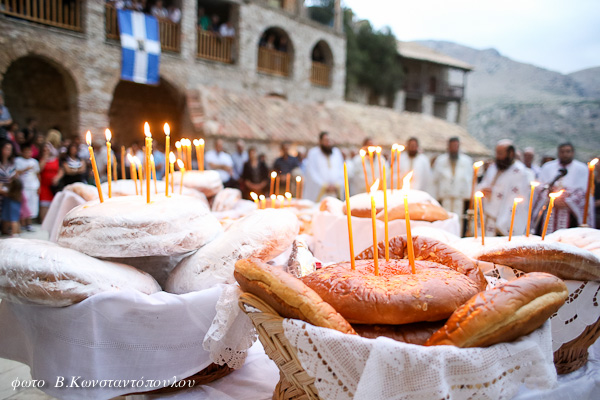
133	104
322	64
275	53
37	87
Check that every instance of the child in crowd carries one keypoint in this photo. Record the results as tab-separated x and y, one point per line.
28	169
11	207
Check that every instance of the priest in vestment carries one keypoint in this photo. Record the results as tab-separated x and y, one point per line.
452	179
503	181
568	208
412	160
324	171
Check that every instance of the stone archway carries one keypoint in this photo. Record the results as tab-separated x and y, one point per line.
37	87
133	104
275	53
322	64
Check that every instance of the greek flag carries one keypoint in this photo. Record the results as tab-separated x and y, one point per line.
141	47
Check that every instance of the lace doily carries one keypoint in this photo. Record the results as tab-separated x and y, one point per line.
581	309
231	333
348	366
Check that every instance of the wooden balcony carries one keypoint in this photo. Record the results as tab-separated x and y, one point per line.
170	32
64	14
273	62
212	46
320	74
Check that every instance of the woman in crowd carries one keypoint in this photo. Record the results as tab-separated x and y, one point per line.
11	207
73	167
8	171
50	176
255	177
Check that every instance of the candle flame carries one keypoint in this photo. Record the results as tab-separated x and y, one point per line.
201	142
518	200
400	147
378	150
137	161
374	187
261	197
152	158
129	158
180	164
478	164
371	149
273	197
288	195
196	142
178	145
556	194
534	184
172	158
593	162
108	134
280	197
479	195
273	174
406	181
362	153
88	138
394	146
298	179
147	129
167	129
254	196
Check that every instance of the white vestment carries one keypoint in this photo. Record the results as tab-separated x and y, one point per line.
356	174
505	186
575	185
322	171
452	182
420	164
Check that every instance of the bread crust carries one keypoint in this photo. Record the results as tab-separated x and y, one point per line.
429	249
416	333
394	297
289	296
504	313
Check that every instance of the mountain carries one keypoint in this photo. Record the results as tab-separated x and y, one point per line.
531	105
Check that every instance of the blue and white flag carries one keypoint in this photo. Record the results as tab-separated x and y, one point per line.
140	42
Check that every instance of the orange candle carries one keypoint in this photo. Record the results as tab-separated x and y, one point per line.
552	197
385	217
371	151
533	184
88	139
281	199
188	143
167	130
277	186
298	187
132	172
288	196
349	215
197	146
123	175
182	169
512	218
114	168
255	198
476	167
140	174
108	135
148	154
273	202
480	203
201	161
475	203
172	168
373	221
287	182
409	241
178	147
394	146
588	191
378	151
273	176
362	157
153	172
263	201
399	150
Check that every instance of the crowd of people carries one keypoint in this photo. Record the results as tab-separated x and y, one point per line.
157	8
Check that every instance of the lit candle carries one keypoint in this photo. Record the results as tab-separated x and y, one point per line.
512	218
373	222
385	217
255	198
114	169
153	172
132	172
287	182
479	196
476	167
298	184
201	161
123	175
371	150
167	130
378	151
188	143
183	143
140	174
263	201
475	203
273	176
349	215
394	147
399	150
172	159
148	154
108	135
277	186
197	146
288	196
552	197
178	147
281	199
362	157
88	139
533	184
182	169
409	241
273	202
588	192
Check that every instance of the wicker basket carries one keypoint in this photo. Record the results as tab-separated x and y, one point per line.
295	383
573	355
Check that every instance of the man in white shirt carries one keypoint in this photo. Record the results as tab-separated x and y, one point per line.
227	30
29	170
220	161
452	179
324	170
532	168
419	163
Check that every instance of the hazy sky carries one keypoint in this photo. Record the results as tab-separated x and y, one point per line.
560	35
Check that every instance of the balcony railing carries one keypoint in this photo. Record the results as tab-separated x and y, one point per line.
320	74
273	62
441	90
170	32
212	46
59	13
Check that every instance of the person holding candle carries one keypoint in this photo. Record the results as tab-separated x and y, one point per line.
417	162
452	178
324	170
569	207
504	180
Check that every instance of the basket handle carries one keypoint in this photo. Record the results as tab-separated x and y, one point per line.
248	301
